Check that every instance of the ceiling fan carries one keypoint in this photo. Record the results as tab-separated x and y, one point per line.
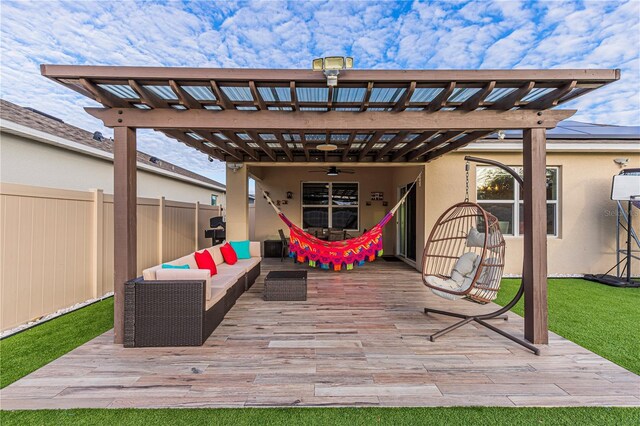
332	171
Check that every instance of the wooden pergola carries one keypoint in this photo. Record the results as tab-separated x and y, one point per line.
372	116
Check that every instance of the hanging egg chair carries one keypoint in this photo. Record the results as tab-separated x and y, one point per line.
464	255
464	258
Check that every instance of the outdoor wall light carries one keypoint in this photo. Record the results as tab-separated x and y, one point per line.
331	66
621	161
234	166
289	195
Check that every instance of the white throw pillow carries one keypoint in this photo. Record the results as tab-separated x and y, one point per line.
465	267
475	238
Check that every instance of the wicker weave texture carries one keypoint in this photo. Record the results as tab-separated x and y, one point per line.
285	288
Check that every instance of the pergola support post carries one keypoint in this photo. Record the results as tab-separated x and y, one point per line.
125	219
535	236
237	216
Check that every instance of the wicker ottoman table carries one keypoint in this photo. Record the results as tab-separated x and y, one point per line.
285	285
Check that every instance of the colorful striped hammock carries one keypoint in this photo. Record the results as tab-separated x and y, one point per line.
304	247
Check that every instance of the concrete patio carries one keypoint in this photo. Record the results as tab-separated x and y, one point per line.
361	339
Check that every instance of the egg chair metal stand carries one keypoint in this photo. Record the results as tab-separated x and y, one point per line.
447	239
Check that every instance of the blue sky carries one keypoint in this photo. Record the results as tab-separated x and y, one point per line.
413	35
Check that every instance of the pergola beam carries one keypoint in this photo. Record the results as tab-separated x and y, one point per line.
284	145
336	121
439	101
412	145
241	144
102	96
509	101
147	97
223	101
345	152
433	144
305	75
207	136
551	99
263	145
391	144
465	140
477	98
372	141
184	97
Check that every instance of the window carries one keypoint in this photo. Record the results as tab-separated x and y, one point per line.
497	193
214	200
330	205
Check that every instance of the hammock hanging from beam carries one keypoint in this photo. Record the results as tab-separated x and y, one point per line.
304	247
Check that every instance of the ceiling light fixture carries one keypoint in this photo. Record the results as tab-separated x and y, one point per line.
327	147
331	67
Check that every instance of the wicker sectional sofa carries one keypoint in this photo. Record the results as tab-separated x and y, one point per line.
182	307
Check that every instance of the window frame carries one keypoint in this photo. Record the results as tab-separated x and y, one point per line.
516	201
214	197
329	206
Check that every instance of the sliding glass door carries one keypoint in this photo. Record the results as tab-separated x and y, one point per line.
407	224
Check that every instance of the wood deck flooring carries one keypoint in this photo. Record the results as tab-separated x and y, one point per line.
361	339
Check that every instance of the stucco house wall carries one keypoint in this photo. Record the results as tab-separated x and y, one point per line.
586	234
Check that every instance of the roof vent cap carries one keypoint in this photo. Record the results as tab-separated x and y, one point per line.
97	136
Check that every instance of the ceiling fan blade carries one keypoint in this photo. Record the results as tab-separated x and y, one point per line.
317	171
349	172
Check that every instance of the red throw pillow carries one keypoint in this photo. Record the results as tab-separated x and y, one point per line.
229	254
205	261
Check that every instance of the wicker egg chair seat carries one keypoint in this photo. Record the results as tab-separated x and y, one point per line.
464	255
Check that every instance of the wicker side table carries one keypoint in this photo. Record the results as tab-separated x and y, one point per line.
285	286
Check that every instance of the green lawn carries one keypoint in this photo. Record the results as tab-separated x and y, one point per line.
331	416
27	351
598	317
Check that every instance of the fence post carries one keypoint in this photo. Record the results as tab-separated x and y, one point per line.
161	230
197	225
97	243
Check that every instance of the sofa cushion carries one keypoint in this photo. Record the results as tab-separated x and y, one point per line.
254	249
241	248
186	275
216	254
216	295
149	274
224	281
229	254
205	261
248	264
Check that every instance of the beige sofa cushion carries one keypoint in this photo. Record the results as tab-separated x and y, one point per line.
217	293
186	275
216	254
248	264
254	249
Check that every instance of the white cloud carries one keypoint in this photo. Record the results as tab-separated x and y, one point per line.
452	34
